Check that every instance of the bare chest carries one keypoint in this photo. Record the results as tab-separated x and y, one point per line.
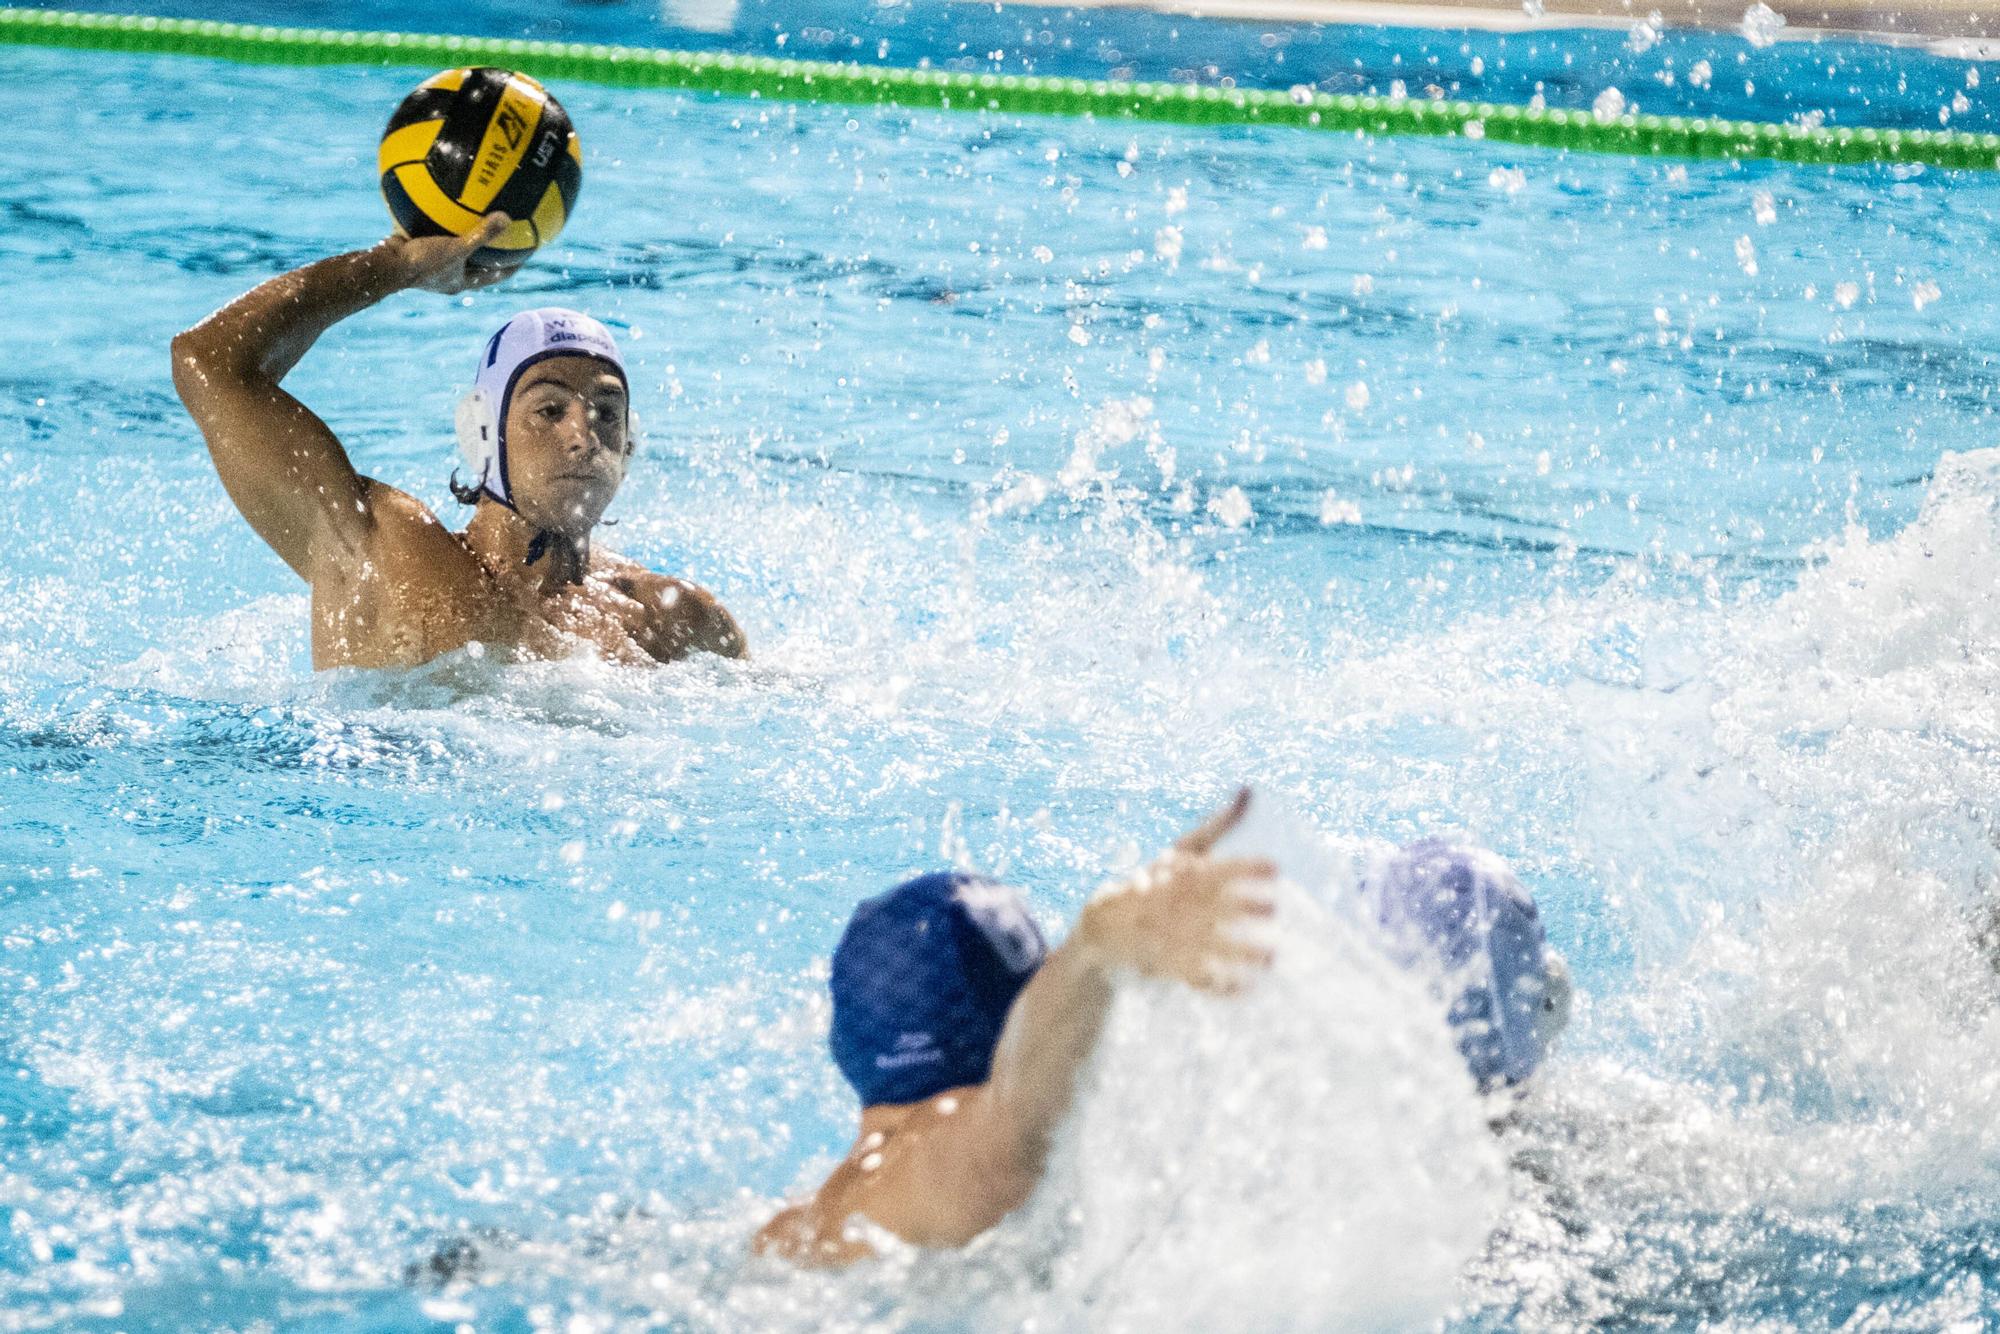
402	609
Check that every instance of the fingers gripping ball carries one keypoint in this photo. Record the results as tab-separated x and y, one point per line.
469	142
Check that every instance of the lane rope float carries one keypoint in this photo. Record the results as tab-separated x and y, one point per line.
1641	135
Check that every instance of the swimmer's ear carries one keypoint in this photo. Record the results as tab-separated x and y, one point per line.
633	432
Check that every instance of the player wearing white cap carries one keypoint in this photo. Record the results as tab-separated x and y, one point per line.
546	430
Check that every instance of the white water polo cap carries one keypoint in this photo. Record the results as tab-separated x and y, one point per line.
529	338
1508	990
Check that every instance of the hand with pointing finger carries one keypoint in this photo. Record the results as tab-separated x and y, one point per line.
438	263
1182	916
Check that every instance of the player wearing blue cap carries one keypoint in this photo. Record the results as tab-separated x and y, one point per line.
964	1039
547	430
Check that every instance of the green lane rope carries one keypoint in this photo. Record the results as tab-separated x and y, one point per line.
926	89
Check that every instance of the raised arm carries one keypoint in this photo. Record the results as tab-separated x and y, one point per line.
283	468
1177	919
952	1168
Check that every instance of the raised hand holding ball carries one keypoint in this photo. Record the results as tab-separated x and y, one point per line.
473	142
443	263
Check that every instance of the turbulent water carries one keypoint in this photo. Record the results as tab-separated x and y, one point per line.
1628	517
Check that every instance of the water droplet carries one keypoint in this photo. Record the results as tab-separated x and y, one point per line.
1232	508
1746	256
1645	34
1761	24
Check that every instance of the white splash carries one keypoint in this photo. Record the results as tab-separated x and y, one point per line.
1319	1130
1746	256
1231	507
1645	34
1761	24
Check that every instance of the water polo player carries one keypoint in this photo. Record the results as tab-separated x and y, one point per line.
547	431
964	1041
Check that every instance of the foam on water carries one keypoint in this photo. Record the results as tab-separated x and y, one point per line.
1812	1140
1784	805
1311	1155
1808	1042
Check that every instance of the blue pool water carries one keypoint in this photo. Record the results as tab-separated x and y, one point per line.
1062	475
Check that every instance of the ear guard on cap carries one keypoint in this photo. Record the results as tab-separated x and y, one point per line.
1556	996
478	424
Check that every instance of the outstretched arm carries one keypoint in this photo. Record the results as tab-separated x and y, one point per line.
1176	919
284	469
957	1165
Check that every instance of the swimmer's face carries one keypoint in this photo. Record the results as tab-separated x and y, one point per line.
568	443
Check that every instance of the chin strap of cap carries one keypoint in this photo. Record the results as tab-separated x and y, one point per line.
538	545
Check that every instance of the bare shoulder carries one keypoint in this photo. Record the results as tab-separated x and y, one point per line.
680	617
637	582
940	1178
399	533
392	504
945	1176
813	1235
404	522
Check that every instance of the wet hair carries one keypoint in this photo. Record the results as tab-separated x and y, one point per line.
467	493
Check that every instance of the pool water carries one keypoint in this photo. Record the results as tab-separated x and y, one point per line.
1063	475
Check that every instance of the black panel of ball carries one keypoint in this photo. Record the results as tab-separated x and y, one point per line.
410	220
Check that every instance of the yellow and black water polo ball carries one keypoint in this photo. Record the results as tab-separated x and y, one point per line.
470	141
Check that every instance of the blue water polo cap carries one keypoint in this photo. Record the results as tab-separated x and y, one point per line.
1465	907
922	981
